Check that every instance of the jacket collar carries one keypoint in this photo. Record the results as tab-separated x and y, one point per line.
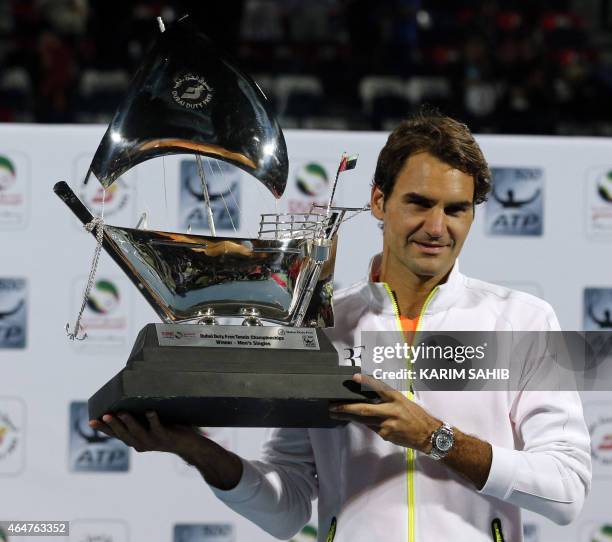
378	298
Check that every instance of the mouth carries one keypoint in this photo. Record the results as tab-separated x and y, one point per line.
429	248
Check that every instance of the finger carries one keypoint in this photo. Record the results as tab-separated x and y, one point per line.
119	429
381	410
385	391
155	425
384	432
363	420
102	427
138	432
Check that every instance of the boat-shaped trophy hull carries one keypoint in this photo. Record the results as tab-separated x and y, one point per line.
184	275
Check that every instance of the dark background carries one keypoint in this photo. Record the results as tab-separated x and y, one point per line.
530	67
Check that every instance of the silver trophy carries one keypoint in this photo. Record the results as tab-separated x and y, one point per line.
187	98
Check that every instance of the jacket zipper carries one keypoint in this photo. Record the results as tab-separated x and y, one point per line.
410	453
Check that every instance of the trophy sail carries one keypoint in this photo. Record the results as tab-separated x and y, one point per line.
187	98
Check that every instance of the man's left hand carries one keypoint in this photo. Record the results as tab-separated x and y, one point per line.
396	418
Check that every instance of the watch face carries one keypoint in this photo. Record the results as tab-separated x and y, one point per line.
444	442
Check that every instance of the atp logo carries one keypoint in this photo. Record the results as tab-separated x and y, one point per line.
223	182
13	313
91	450
516	203
597	309
510	202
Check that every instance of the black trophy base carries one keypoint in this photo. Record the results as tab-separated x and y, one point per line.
229	387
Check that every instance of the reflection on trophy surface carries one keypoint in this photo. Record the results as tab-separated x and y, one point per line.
187	98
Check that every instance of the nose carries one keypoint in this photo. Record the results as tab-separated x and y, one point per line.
435	224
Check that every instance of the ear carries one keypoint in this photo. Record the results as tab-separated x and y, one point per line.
377	203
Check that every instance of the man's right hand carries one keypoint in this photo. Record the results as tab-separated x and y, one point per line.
219	467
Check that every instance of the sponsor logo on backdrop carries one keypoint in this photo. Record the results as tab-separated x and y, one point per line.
115	199
598	416
516	203
98	531
224	190
204	532
312	180
312	184
8	175
597	309
307	534
13	312
105	318
530	532
12	429
594	532
14	187
104	297
601	440
192	91
91	450
119	199
599	201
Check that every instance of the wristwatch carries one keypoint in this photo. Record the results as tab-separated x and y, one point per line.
442	440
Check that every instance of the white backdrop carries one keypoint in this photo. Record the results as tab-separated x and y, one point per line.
558	247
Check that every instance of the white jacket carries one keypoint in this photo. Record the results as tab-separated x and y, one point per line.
376	490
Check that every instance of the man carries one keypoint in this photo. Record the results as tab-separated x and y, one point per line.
408	468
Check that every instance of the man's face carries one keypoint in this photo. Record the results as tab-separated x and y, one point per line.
426	217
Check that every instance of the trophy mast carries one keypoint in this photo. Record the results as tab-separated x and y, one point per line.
209	215
322	243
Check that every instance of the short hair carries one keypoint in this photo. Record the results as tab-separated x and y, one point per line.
443	137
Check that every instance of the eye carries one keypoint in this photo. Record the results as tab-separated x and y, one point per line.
455	210
420	204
